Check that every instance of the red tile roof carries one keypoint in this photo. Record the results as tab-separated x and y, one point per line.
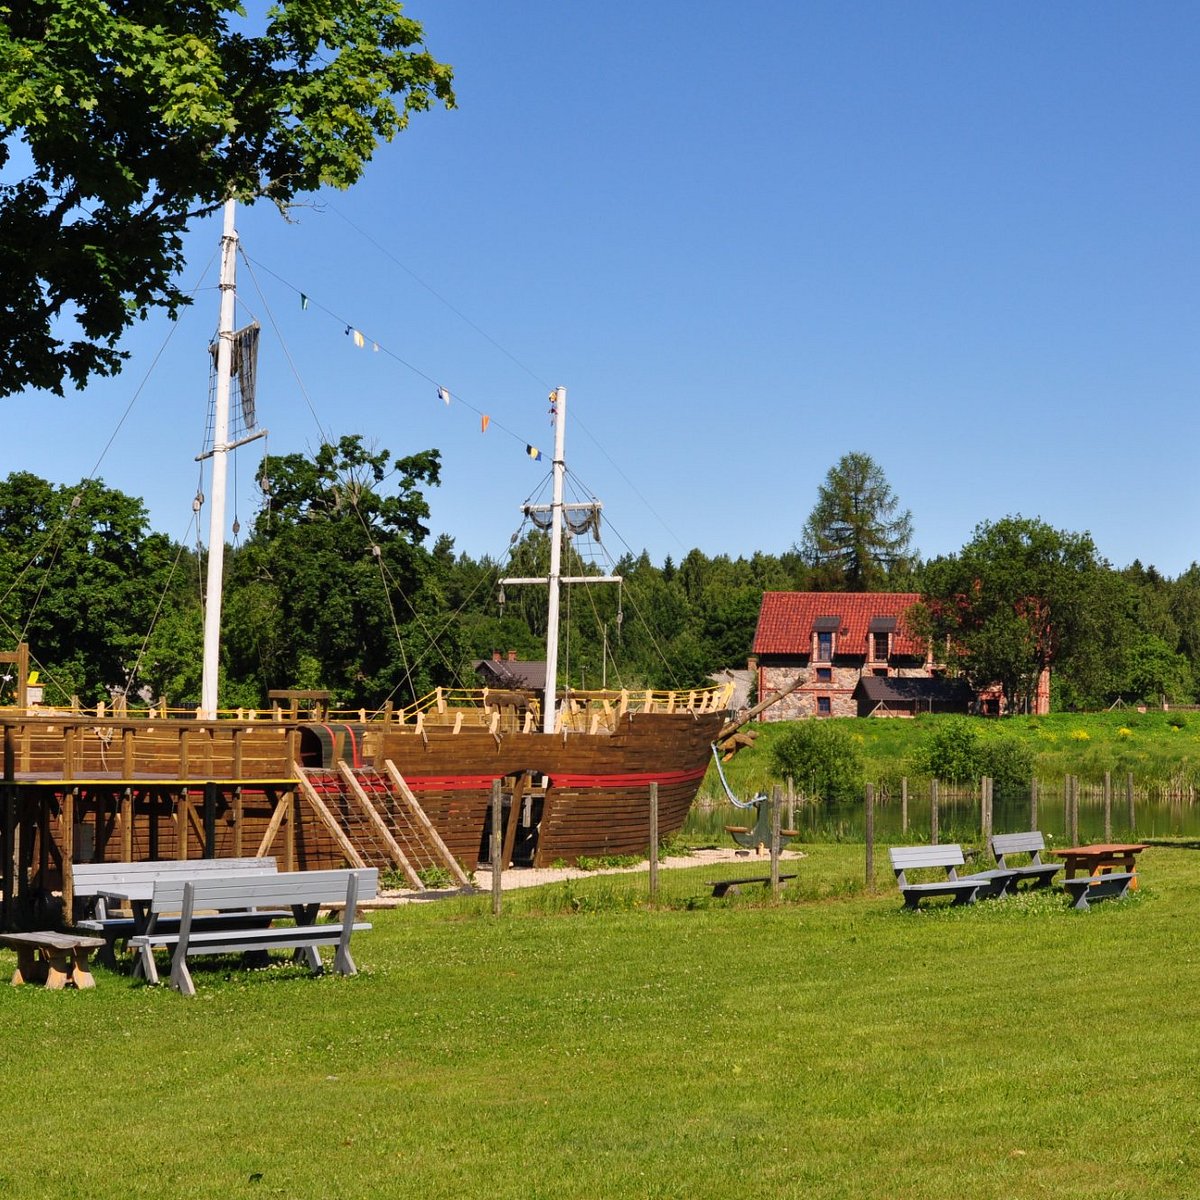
786	620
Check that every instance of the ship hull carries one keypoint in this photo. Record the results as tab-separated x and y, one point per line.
76	789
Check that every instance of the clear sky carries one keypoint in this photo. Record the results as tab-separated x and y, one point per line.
748	239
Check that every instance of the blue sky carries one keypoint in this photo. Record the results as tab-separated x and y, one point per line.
959	237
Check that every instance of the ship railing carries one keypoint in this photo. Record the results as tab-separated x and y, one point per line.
442	706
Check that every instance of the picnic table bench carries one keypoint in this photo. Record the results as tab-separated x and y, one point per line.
53	959
721	887
1086	888
964	889
304	892
99	887
1032	843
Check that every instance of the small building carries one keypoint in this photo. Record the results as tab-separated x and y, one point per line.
909	695
508	672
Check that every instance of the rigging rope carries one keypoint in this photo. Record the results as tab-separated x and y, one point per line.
758	798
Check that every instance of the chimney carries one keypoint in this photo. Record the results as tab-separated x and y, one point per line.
495	656
512	656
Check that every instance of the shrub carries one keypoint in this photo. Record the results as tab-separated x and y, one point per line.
822	758
1008	763
950	752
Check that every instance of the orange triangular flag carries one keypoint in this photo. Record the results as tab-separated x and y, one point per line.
484	424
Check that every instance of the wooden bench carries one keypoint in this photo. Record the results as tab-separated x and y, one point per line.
304	892
1086	888
965	889
53	959
1032	843
98	885
721	887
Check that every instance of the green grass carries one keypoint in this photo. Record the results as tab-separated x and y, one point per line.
835	1046
1157	747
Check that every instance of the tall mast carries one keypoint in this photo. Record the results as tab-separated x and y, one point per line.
557	509
555	580
220	457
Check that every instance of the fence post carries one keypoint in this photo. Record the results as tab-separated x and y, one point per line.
496	852
870	836
1033	803
1129	800
904	804
776	812
653	842
791	795
933	812
1108	806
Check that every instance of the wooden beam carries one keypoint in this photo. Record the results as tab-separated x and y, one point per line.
434	838
273	826
377	822
330	821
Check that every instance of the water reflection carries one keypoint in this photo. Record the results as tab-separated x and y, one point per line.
958	819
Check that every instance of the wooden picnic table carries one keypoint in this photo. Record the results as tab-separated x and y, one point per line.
1101	858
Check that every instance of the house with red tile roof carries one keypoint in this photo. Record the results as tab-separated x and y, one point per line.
856	658
854	653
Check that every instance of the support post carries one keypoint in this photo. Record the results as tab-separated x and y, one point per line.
1129	801
776	810
1108	806
869	822
904	804
496	850
653	842
933	812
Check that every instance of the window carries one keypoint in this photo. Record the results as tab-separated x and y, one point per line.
823	706
879	647
824	674
825	646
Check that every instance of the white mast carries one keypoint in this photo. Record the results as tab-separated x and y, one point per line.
556	510
220	457
560	437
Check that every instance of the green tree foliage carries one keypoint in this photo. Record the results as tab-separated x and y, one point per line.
335	586
82	578
822	758
857	538
133	119
1021	597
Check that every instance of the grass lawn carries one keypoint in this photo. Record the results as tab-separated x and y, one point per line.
831	1047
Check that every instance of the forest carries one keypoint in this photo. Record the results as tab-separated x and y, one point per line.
340	585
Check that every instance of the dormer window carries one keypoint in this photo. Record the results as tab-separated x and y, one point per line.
824	636
879	634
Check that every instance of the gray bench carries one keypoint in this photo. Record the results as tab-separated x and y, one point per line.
965	889
1086	888
304	892
98	885
1032	843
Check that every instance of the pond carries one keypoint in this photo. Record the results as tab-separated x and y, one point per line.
1155	815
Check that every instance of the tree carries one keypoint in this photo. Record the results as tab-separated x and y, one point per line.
856	534
334	588
82	579
135	119
1018	598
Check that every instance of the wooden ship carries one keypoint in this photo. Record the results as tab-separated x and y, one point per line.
409	790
